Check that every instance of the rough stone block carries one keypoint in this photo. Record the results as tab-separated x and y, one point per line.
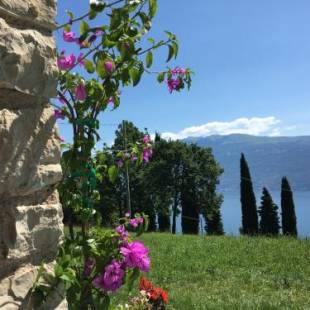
36	12
29	151
27	61
30	230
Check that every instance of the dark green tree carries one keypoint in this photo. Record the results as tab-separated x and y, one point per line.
198	191
164	176
248	201
129	185
289	225
213	218
268	211
190	212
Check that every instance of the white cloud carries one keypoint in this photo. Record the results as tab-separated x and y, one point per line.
251	126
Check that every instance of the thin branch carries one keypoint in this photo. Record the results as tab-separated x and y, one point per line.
71	110
85	15
154	47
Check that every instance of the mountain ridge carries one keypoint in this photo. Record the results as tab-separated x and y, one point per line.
269	159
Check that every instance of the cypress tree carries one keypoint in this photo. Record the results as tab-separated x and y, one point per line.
248	201
289	226
268	211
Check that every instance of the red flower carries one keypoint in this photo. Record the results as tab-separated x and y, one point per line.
164	296
155	292
145	285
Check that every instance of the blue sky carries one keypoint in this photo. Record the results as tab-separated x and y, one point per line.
252	70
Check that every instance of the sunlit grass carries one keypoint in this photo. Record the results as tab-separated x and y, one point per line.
231	272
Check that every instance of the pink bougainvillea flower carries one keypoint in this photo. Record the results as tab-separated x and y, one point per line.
89	266
61	139
146	139
59	114
136	256
99	32
136	222
147	154
66	62
173	84
122	232
134	157
68	36
177	71
119	163
80	92
182	71
109	66
112	278
80	59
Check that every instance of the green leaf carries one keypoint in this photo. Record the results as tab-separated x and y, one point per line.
161	77
153	7
171	53
100	68
175	48
112	171
92	14
67	28
70	14
89	66
151	40
135	75
98	6
84	27
116	19
149	59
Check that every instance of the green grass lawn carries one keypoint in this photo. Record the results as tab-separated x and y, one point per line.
231	272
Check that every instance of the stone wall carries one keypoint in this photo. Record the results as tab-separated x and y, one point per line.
30	213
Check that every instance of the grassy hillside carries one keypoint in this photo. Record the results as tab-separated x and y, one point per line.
231	273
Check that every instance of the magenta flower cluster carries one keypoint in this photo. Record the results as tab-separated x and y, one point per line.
135	255
175	82
147	154
80	93
136	222
112	277
70	37
68	62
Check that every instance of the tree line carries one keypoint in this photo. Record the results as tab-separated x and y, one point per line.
179	180
265	219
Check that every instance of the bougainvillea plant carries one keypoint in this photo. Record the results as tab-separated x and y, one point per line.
114	53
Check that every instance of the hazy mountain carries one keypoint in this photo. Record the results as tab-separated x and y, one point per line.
269	159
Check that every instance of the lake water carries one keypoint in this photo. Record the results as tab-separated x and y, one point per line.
231	212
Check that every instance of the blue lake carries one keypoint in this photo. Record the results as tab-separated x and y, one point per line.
231	212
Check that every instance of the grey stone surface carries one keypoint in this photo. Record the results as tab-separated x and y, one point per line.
30	213
29	151
40	13
27	61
